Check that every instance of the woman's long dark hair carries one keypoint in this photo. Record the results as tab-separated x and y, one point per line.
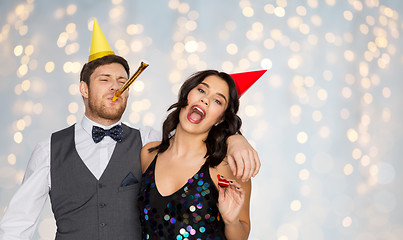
216	141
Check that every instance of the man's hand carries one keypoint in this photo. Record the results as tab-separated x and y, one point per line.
242	158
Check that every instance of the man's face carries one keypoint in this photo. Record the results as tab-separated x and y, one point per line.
104	82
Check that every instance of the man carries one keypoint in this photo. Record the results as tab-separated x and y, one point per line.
92	175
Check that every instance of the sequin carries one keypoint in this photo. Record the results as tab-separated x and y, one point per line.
192	208
190	213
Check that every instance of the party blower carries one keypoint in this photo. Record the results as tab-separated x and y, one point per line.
130	81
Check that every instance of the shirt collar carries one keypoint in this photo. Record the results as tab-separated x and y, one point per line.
87	124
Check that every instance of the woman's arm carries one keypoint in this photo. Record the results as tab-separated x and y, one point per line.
146	157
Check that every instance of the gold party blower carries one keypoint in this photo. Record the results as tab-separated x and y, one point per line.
130	81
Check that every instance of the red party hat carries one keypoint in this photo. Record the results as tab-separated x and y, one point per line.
245	80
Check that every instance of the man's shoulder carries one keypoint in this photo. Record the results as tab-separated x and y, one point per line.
64	130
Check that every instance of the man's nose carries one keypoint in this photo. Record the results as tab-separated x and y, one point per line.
115	85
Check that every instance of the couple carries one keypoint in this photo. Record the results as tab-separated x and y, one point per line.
93	177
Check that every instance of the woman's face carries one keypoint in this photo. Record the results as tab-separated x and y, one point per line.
206	104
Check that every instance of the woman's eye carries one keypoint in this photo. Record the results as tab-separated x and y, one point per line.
218	101
201	90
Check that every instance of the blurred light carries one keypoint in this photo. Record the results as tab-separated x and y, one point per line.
300	158
269	43
304	28
313	39
134	29
301	11
348	169
73	107
74	89
18	50
324	132
276	34
364	69
25	85
287	232
352	135
279	12
29	50
269	8
313	3
316	20
248	12
322	94
116	12
331	2
295	205
347	221
138	86
356	154
365	161
191	25
303	174
18	137
37	108
134	117
71	9
367	98
365	83
370	20
250	110
266	63
295	110
12	159
71	119
232	49
137	106
191	46
183	8
20	124
386	114
67	67
49	67
349	55
316	116
72	48
348	15
294	62
148	119
136	46
302	137
346	92
175	76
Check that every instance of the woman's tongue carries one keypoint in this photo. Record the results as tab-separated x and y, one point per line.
195	117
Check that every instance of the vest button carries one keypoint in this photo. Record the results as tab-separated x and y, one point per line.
100	185
102	205
102	224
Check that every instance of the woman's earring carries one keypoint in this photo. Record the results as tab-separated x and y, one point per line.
216	124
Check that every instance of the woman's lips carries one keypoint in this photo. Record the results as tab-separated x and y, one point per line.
196	114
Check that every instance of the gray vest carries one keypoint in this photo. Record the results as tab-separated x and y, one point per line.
89	209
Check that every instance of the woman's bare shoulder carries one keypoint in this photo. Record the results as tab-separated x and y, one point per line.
147	156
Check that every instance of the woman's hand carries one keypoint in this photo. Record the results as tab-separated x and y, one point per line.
230	201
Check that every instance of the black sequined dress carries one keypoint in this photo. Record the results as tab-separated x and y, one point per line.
189	213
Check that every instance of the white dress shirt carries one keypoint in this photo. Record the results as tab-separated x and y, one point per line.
21	218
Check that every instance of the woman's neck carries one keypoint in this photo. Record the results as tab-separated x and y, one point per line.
184	143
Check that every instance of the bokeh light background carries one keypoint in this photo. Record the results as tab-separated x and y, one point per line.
325	118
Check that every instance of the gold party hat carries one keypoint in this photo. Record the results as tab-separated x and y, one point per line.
99	45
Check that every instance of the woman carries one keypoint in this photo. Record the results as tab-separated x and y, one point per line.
179	194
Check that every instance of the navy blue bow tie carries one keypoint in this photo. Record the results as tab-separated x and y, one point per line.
99	133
